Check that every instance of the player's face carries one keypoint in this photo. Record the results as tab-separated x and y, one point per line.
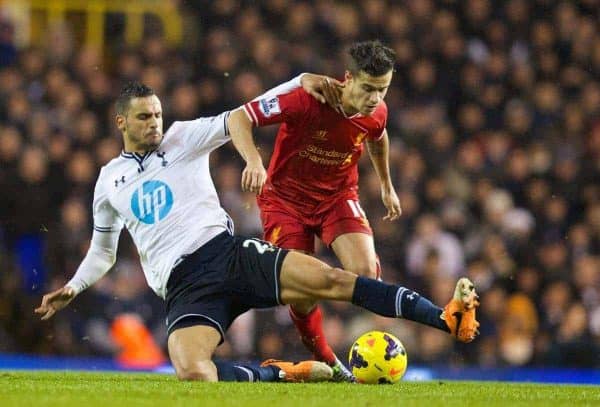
142	125
365	92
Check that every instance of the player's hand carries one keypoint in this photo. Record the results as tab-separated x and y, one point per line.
254	177
392	203
55	301
324	89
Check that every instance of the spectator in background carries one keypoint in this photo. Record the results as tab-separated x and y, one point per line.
432	244
8	51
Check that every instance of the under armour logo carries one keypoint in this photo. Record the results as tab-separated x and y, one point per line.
412	296
162	157
117	181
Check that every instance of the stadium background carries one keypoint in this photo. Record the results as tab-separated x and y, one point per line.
495	152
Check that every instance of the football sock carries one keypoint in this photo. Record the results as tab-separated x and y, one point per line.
397	302
229	372
310	327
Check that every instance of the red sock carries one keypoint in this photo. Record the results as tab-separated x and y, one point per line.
310	327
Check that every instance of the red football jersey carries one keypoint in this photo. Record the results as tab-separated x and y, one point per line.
316	149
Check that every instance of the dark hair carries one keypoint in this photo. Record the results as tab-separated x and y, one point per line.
129	91
372	57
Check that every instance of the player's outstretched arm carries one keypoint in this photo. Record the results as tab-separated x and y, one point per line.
55	301
323	88
241	121
379	154
100	257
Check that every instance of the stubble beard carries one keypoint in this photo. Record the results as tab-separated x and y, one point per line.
141	144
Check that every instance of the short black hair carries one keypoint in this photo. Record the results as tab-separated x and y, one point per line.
129	91
372	57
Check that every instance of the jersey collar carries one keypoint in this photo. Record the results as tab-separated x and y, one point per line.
139	158
356	115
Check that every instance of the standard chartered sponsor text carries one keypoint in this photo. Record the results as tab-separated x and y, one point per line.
324	157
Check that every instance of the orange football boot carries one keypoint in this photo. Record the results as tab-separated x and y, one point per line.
459	313
306	371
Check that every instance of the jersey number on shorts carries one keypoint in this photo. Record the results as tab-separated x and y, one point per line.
260	246
356	209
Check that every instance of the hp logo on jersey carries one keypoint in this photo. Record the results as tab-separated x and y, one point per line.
152	202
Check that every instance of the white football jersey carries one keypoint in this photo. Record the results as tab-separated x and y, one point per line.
166	198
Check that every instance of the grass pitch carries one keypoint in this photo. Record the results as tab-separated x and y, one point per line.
127	389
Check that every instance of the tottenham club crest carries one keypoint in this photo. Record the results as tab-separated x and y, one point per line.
152	202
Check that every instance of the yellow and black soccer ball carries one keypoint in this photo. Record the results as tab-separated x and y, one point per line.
378	358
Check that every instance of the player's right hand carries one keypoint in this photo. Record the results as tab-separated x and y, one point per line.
324	89
392	203
55	301
254	177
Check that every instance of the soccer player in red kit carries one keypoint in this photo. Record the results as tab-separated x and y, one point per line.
311	188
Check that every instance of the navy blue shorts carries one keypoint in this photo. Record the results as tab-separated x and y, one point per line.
221	280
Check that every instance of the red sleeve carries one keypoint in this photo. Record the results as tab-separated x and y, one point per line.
380	117
282	108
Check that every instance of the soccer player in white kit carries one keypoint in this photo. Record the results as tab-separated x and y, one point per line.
160	189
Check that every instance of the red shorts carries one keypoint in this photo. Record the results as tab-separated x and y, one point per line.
291	230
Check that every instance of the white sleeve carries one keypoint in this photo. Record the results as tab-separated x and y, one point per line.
282	89
102	253
204	134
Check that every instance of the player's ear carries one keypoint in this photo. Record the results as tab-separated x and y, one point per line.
120	121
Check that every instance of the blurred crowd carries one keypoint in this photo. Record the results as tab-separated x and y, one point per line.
494	120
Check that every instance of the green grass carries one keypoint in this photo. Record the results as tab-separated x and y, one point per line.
127	389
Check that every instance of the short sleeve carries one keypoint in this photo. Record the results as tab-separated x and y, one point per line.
376	133
288	108
204	134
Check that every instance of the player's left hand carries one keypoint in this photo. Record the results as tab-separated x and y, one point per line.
323	88
55	301
254	177
392	203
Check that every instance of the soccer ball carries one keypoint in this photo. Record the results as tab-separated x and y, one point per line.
378	357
